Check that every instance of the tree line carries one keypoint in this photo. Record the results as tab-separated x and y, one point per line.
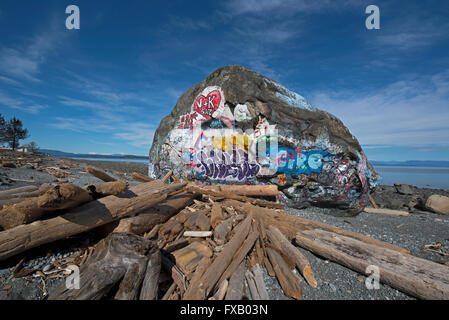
12	131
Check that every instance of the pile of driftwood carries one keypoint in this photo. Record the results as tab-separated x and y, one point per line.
170	239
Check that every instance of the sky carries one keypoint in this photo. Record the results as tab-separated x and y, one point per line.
105	87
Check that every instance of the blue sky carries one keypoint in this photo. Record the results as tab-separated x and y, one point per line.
104	88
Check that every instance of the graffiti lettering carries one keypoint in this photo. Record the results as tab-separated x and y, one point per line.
206	106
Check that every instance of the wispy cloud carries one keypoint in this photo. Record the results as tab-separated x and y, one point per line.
413	111
411	33
25	61
20	104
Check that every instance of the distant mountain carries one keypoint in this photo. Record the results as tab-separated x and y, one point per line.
412	163
62	154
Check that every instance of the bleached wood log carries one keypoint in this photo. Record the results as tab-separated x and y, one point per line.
247	190
100	174
158	214
386	211
302	263
258	202
140	177
197	234
288	282
418	277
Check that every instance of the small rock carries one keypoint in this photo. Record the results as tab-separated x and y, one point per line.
438	204
404	189
47	268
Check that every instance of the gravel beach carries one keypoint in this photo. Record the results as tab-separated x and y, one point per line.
334	281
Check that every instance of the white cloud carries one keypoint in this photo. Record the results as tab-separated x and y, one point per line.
24	62
414	111
20	104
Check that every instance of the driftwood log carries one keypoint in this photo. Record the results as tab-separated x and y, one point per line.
160	213
289	224
418	277
247	190
88	216
140	177
12	193
236	283
122	258
104	189
287	280
301	262
386	211
100	174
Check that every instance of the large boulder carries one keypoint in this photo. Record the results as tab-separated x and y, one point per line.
240	127
438	204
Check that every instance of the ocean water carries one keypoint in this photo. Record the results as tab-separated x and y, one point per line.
145	161
424	177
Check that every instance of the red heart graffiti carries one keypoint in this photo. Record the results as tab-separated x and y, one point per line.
206	106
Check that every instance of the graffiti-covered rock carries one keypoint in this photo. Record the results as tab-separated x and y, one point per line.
239	127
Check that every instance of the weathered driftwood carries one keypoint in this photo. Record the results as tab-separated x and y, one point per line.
236	283
247	190
140	177
197	234
386	211
194	282
259	282
160	213
287	280
100	174
13	193
216	215
302	263
176	274
222	261
289	224
240	255
120	258
221	292
187	258
150	283
81	219
104	189
57	197
20	213
63	196
418	277
373	203
167	176
258	202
